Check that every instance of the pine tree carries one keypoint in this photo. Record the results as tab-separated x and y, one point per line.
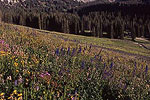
0	15
112	30
100	28
122	31
82	25
133	35
149	29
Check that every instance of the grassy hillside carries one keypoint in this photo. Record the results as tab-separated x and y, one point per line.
37	64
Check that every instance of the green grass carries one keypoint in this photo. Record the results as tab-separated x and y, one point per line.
116	44
41	65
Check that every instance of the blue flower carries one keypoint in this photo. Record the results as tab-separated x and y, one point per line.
68	51
57	51
125	87
95	56
83	64
100	58
104	65
111	65
146	69
80	49
16	82
134	69
73	52
61	49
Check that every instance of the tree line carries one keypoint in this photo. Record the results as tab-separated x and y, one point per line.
98	23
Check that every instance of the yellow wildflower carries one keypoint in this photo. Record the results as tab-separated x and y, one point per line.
3	53
19	95
27	80
13	57
2	94
15	64
43	92
9	97
15	91
22	62
17	71
37	62
28	72
71	97
11	94
20	98
52	92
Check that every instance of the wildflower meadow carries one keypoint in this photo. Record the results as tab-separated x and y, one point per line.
48	66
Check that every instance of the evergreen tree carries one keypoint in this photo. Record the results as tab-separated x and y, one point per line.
112	31
122	31
133	35
0	15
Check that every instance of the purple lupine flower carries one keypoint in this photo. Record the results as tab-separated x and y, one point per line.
104	71
100	58
111	65
134	69
108	73
65	39
16	82
104	65
96	66
74	40
76	92
83	64
95	56
65	64
57	51
73	52
68	51
141	67
60	73
61	49
68	70
146	69
125	87
80	49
